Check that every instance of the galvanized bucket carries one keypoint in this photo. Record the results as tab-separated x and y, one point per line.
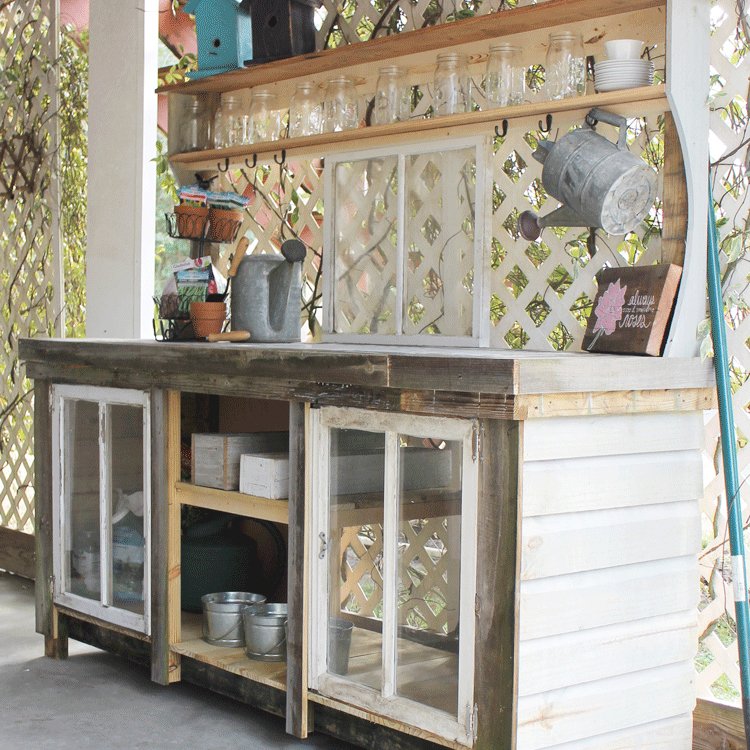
265	631
222	617
339	644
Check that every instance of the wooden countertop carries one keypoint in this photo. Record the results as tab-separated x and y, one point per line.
501	383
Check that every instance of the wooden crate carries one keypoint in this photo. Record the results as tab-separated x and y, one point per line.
216	457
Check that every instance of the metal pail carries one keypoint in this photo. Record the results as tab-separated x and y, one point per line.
265	631
222	616
339	644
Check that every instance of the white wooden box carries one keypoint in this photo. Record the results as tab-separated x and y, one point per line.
267	474
216	457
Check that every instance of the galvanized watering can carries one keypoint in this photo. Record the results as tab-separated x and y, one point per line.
599	183
267	293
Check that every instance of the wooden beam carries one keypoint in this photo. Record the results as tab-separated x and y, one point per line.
17	552
717	726
675	198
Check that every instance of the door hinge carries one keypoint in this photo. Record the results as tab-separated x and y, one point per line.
472	716
476	442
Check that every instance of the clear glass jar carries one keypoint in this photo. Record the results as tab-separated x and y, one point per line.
392	96
565	66
195	131
305	111
340	109
264	118
452	84
230	122
505	82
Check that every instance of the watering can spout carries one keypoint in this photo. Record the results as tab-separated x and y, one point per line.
530	225
542	150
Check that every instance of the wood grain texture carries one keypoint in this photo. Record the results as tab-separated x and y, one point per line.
371	377
497	598
174	532
717	726
675	199
296	677
17	552
160	653
237	503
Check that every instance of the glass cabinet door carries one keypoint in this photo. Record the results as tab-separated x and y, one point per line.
394	570
102	502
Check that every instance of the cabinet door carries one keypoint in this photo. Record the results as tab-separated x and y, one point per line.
394	566
101	445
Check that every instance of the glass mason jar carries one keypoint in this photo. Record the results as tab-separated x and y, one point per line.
505	82
565	66
392	96
230	122
305	111
340	110
452	84
195	132
264	118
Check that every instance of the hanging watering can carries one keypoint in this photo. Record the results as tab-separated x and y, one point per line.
267	294
600	184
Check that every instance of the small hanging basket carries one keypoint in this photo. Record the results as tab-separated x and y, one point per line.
187	222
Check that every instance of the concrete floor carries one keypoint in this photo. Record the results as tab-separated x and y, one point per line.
95	700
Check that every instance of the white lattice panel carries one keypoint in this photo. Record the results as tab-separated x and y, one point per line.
27	96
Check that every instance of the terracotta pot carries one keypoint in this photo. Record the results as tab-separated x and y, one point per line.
224	224
191	221
207	317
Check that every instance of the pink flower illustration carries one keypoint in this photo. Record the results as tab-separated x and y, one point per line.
609	310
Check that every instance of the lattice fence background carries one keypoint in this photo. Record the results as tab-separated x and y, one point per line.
28	49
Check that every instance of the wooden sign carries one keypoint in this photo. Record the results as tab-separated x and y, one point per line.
632	309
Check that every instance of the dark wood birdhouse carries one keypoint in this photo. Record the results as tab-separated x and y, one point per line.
281	28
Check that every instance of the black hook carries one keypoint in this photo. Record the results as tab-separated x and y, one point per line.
226	165
591	121
255	162
283	157
548	120
505	130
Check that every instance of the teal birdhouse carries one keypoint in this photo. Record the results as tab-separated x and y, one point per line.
225	35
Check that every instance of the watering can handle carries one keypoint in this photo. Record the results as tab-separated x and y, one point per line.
599	115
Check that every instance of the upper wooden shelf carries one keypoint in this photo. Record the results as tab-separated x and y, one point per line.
238	503
444	36
638	101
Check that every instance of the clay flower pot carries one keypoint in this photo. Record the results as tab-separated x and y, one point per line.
224	224
207	317
191	221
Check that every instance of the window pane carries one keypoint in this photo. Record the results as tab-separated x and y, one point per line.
355	643
126	456
80	434
365	246
439	275
429	570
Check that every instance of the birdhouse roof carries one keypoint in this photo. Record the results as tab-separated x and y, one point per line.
192	5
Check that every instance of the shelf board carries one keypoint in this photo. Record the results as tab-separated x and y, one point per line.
638	101
237	503
232	660
444	36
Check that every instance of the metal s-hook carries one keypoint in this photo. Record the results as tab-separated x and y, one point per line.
254	164
226	165
548	121
505	130
283	157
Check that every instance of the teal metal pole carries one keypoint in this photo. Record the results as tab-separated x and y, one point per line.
729	458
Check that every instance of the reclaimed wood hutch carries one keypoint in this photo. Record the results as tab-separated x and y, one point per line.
562	533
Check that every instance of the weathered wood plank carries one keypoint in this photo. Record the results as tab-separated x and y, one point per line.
296	677
717	726
577	601
17	553
593	540
174	532
675	199
581	711
498	563
160	653
624	434
551	487
233	502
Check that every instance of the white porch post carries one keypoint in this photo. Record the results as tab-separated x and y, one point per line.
122	178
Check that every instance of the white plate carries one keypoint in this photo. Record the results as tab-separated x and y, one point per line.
623	66
617	86
644	80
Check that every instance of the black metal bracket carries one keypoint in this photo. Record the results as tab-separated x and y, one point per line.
226	165
254	164
283	157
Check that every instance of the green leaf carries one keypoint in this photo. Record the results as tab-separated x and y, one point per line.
707	348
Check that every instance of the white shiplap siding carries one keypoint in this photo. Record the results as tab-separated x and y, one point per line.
609	581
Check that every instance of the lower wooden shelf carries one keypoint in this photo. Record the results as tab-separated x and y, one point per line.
233	660
233	502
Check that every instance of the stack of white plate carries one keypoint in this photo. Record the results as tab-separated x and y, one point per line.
613	75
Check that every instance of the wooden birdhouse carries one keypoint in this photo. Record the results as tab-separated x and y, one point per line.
282	28
225	36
